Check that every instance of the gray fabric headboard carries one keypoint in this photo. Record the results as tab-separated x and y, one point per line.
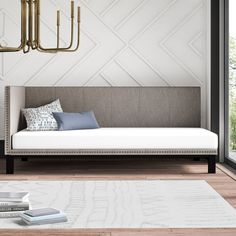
117	106
126	106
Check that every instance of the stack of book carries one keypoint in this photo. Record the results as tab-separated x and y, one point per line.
13	203
43	216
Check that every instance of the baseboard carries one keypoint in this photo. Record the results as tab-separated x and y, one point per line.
230	163
228	170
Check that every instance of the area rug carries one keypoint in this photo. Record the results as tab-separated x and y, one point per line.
127	204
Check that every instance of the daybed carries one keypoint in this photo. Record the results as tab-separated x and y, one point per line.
150	121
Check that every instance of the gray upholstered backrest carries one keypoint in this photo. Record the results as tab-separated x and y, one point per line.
126	106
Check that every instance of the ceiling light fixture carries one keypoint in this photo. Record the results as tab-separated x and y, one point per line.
30	30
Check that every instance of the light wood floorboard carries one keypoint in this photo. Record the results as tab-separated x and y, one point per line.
223	182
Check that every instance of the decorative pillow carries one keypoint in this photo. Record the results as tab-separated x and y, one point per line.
76	121
41	118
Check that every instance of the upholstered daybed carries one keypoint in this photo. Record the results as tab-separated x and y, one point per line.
135	121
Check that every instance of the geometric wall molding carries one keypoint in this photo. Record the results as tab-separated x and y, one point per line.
123	43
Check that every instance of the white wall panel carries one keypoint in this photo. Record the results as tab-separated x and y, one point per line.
123	43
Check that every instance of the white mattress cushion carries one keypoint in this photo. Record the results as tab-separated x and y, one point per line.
118	138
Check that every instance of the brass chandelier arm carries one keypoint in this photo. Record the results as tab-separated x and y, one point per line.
23	31
78	40
71	29
30	30
29	43
36	22
31	40
58	49
11	49
54	50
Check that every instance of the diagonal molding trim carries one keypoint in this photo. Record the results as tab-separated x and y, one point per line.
123	43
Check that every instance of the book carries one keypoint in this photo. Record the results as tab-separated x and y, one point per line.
13	204
14	196
43	216
11	214
41	222
42	212
10	209
20	206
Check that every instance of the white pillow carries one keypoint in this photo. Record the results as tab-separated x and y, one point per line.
41	118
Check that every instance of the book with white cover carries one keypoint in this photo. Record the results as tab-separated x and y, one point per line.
49	221
42	218
14	196
10	214
14	204
42	212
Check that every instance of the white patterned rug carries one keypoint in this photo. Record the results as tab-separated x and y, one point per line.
127	204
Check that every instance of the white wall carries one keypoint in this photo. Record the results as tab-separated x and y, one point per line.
123	43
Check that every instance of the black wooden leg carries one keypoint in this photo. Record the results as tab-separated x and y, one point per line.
211	164
24	159
9	164
196	158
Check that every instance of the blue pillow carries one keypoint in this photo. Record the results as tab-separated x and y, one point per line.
75	121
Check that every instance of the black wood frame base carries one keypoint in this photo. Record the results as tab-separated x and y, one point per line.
211	164
210	159
9	164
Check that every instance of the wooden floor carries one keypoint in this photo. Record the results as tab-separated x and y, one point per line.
132	170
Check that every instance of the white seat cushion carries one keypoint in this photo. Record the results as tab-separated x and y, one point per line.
118	138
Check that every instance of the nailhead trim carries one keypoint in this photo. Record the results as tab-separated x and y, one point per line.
114	152
6	125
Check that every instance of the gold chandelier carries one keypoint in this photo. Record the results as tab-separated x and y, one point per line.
30	30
